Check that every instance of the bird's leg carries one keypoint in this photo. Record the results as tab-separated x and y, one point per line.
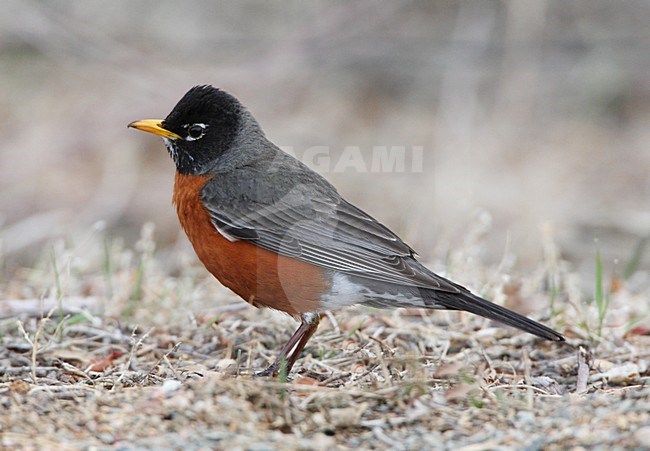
308	325
312	320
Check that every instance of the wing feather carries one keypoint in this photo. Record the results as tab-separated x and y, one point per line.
312	223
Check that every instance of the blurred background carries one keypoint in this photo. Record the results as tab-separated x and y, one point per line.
533	116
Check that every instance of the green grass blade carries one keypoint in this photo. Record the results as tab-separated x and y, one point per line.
601	298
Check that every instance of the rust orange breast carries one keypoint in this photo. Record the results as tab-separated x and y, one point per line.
260	277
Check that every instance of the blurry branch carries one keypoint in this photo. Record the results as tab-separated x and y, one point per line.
34	229
37	307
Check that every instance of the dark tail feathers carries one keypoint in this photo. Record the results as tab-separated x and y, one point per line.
471	303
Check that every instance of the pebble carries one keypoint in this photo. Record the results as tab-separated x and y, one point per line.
107	438
170	386
227	366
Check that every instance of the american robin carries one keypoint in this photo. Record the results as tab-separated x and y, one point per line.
280	236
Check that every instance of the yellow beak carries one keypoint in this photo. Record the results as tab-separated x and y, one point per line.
153	126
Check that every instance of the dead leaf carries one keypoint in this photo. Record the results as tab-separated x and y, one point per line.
103	363
20	387
306	381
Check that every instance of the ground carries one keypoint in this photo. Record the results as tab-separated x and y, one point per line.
125	353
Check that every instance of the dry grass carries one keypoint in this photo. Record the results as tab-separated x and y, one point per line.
121	350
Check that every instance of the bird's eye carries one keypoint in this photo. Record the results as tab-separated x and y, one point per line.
195	131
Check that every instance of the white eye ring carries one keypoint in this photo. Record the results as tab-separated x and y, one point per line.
195	131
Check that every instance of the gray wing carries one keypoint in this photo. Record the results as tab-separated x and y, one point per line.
284	207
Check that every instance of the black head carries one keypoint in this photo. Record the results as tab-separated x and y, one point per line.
199	130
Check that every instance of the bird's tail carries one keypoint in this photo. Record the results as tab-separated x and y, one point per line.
474	304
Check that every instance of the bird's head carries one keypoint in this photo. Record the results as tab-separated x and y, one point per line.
201	128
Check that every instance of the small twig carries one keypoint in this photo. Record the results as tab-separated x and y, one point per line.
238	360
74	370
58	329
527	379
251	353
334	322
63	388
34	343
164	357
522	386
335	378
383	350
488	360
327	367
171	367
583	371
135	346
360	377
40	370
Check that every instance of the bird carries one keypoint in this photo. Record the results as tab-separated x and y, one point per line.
280	236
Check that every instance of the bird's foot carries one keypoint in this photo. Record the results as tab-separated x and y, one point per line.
277	368
270	371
